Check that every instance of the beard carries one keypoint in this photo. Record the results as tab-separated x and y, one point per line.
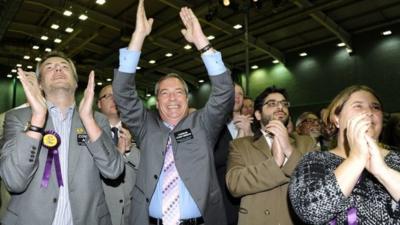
266	118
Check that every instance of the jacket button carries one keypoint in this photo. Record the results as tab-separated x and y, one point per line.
121	201
155	176
54	200
147	200
266	212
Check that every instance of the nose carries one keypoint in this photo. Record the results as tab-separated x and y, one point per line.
57	67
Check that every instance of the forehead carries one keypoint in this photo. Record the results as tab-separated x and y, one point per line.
171	83
106	90
363	96
275	96
238	88
55	59
247	101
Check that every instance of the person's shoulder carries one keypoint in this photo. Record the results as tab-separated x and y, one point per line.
243	140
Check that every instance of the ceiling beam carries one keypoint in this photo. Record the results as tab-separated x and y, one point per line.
7	14
327	22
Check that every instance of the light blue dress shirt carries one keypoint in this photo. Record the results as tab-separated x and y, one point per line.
187	206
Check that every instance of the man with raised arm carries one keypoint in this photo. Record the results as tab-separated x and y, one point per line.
176	181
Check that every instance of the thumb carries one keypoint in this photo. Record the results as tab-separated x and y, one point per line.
184	32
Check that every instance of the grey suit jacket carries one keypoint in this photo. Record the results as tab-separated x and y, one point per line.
22	164
194	158
119	191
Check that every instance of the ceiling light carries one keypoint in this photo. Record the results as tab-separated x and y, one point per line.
83	17
275	61
201	81
47	50
138	67
169	54
67	13
109	79
187	47
99	83
19	65
37	59
237	26
386	32
44	37
27	57
55	26
254	67
57	40
226	2
9	75
303	54
152	61
349	50
13	71
29	67
211	37
148	95
100	2
341	44
35	47
69	29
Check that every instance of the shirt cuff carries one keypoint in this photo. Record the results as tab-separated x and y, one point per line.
128	60
214	64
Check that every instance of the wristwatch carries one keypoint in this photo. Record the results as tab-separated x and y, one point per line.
30	127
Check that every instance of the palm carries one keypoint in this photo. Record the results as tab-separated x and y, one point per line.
85	107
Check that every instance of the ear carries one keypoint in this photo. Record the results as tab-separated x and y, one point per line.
336	121
98	104
257	114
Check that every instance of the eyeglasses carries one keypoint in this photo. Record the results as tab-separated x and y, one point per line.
106	96
274	104
311	120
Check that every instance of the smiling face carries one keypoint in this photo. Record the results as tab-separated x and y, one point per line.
238	98
172	100
358	103
57	73
277	112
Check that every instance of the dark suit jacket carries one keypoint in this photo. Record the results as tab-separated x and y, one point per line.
221	152
262	185
194	158
22	164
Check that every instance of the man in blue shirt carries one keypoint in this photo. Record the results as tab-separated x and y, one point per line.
172	138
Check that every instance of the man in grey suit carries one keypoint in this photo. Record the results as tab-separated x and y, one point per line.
187	139
119	191
54	151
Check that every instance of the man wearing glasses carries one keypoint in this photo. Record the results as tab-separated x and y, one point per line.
259	167
118	192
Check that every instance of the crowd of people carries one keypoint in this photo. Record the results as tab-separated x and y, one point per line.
234	161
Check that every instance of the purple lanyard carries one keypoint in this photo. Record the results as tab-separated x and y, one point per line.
351	217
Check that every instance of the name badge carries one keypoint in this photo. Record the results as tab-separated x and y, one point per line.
82	139
183	135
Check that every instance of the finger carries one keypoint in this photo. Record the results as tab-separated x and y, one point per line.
91	81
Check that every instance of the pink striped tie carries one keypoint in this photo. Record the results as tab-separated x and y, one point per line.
170	189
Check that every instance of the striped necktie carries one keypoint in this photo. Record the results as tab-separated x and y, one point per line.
170	189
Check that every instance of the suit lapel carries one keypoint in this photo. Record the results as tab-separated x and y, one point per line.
74	150
261	145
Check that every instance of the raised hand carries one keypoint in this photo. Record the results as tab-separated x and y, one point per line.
34	96
281	136
356	130
142	28
192	32
86	105
124	141
375	164
243	125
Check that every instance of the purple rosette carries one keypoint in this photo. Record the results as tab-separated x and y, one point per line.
51	140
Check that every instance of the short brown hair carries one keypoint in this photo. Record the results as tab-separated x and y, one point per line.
60	55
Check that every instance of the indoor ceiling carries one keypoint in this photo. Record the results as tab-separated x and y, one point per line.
275	28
